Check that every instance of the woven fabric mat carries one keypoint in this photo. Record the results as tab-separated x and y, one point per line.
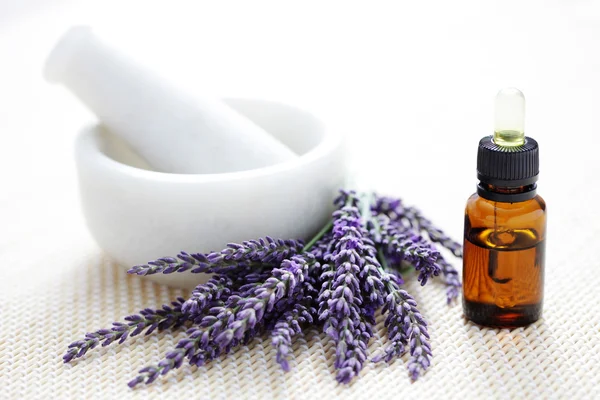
56	284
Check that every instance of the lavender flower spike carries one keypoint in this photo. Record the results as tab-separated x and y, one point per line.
147	319
196	347
232	258
404	245
451	279
289	325
347	315
357	339
406	327
218	287
285	282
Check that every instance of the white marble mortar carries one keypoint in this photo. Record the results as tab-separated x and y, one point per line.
137	215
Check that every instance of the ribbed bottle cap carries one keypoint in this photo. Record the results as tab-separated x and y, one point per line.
508	166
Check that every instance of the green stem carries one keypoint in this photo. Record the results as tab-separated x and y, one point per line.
318	236
382	259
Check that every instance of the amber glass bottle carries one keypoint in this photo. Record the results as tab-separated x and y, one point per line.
504	242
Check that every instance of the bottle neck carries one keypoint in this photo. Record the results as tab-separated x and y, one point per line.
506	194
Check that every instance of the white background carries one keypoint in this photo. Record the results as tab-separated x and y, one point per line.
410	83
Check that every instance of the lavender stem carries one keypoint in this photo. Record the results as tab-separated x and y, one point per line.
318	236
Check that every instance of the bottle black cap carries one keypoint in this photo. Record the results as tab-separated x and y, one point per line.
504	166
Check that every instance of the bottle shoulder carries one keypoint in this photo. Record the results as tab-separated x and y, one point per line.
486	213
536	203
540	200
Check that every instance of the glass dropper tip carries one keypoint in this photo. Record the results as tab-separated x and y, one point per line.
509	125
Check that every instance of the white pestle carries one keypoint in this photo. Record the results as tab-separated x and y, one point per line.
172	130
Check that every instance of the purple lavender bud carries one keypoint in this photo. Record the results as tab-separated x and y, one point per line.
249	315
69	355
224	338
134	382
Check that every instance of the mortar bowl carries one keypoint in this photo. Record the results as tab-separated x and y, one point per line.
137	215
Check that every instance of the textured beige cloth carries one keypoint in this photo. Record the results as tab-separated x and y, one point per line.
56	285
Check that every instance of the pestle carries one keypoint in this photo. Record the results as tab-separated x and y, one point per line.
172	130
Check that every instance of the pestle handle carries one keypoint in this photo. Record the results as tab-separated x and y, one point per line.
173	130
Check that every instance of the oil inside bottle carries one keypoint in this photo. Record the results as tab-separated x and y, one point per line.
503	276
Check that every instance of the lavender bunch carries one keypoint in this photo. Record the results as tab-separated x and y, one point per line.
339	279
147	319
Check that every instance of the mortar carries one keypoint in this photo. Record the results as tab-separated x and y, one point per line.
137	215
